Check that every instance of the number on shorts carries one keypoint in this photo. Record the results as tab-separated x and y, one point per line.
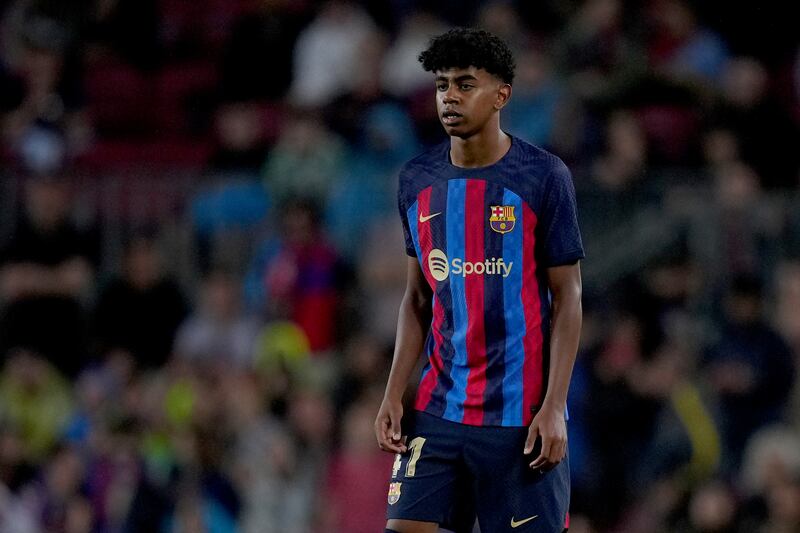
416	449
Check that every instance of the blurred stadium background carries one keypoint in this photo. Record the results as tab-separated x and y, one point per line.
201	260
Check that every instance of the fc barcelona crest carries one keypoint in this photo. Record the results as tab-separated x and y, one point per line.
394	492
501	218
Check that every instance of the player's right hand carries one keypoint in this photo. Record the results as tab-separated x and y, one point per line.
387	427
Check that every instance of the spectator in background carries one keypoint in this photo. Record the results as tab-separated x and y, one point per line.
685	445
750	369
538	98
597	52
262	463
14	516
44	123
310	420
306	160
737	228
194	511
623	164
127	31
357	472
365	363
93	406
241	145
666	303
382	277
713	508
787	293
366	189
347	113
279	464
681	48
400	74
796	82
205	470
720	147
620	420
46	269
617	178
598	57
283	363
327	53
271	25
783	502
233	200
185	426
296	275
16	467
119	486
56	494
787	322
36	400
501	18
770	481
138	312
767	135
218	334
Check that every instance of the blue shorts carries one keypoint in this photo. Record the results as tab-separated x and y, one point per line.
453	473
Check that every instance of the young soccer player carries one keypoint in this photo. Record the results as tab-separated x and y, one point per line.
493	299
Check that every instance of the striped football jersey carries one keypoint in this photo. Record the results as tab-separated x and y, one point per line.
484	238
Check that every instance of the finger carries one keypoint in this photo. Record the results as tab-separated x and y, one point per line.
544	456
387	428
394	425
555	458
382	434
383	429
396	432
548	466
379	437
533	433
386	444
562	450
557	454
390	447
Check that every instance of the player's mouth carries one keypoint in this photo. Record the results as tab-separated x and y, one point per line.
451	117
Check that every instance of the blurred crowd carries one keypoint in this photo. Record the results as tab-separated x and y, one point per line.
201	261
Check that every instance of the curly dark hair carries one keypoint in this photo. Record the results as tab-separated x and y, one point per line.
469	47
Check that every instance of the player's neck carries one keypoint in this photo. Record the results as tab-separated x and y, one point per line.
480	150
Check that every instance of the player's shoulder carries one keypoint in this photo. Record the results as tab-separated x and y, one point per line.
544	162
422	170
428	160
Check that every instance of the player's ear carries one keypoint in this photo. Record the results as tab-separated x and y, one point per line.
503	96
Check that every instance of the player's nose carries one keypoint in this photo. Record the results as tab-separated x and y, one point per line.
450	96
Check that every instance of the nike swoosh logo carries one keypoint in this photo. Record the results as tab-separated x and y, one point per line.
423	218
515	524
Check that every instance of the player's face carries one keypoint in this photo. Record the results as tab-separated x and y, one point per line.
467	99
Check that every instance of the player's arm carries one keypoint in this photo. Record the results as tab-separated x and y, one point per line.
549	423
413	323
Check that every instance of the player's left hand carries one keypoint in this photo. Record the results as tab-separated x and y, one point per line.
548	425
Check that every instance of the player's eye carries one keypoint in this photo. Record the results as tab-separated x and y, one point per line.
441	86
466	86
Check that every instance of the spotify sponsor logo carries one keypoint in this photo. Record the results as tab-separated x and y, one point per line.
438	264
441	267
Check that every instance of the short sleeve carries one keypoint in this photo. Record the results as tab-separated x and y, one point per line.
558	223
403	209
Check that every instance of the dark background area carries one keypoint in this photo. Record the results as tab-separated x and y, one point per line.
201	262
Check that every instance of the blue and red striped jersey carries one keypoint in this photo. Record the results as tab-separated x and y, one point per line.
484	238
